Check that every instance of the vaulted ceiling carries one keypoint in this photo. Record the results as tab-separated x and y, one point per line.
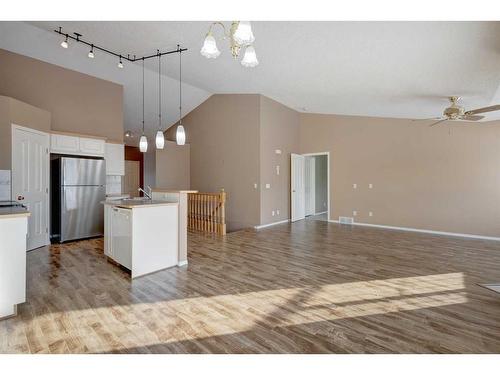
381	69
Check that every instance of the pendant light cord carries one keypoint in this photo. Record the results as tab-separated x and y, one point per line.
180	86
143	96
159	91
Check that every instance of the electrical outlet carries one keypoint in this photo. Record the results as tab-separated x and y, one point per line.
354	213
370	213
278	212
278	152
268	186
272	213
370	186
255	186
354	186
278	170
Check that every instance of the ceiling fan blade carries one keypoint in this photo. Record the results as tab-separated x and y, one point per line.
471	118
426	119
438	122
484	110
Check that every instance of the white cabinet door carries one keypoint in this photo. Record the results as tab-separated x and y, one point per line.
121	238
92	146
115	159
64	144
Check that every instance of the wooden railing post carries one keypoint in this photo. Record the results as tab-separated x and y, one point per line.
207	212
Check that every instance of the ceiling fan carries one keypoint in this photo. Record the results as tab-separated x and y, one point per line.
456	112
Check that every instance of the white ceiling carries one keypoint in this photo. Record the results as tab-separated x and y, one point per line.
382	69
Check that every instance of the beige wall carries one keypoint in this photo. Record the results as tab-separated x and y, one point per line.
172	167
445	178
223	133
13	111
279	130
78	102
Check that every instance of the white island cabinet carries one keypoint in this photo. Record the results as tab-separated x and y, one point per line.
141	235
13	231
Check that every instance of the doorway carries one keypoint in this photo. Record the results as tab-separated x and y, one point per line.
131	180
310	186
30	181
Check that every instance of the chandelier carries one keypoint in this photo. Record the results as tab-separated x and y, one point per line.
240	36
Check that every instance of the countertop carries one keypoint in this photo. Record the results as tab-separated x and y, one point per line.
128	203
161	190
16	211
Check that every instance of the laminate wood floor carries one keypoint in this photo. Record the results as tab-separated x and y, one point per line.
307	287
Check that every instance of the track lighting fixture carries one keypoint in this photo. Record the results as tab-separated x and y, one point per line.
64	43
91	53
160	137
180	134
143	141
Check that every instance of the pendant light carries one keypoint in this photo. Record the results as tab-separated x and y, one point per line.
143	142
180	134
160	138
64	43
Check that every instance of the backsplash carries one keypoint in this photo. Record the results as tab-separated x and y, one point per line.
4	185
113	184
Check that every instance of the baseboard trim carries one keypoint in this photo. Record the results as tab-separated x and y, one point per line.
182	263
407	229
271	224
320	213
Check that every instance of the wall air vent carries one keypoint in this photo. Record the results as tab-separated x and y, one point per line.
346	220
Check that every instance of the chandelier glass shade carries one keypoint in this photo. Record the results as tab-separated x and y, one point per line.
250	58
209	49
243	34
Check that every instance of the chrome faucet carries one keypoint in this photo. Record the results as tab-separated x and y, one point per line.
148	195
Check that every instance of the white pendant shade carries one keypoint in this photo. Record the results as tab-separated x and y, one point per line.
160	140
64	44
250	58
243	34
91	55
180	135
209	49
143	144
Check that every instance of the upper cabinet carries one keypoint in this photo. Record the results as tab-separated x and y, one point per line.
75	145
115	159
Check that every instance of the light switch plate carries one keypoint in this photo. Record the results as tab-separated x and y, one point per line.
278	212
278	170
255	186
370	186
354	186
268	186
370	213
278	151
354	213
272	213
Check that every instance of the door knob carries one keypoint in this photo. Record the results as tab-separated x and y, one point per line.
20	198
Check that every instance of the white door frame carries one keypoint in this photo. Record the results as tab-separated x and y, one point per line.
327	153
47	161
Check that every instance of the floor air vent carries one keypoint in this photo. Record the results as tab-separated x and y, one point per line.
346	220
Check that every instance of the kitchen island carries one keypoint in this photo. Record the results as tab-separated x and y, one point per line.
141	234
13	232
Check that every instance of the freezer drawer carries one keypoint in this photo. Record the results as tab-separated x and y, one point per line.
82	215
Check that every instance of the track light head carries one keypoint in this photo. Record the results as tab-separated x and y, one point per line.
91	53
64	43
120	64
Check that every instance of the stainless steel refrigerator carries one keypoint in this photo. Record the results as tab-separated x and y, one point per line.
78	185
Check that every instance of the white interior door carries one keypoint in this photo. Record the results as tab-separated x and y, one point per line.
297	187
30	181
310	185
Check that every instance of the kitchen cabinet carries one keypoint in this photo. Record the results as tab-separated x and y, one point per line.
115	159
92	146
141	235
76	145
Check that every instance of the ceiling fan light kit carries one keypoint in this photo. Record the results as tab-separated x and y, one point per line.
240	36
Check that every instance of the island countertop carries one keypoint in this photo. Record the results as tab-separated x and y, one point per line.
15	211
165	190
130	203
